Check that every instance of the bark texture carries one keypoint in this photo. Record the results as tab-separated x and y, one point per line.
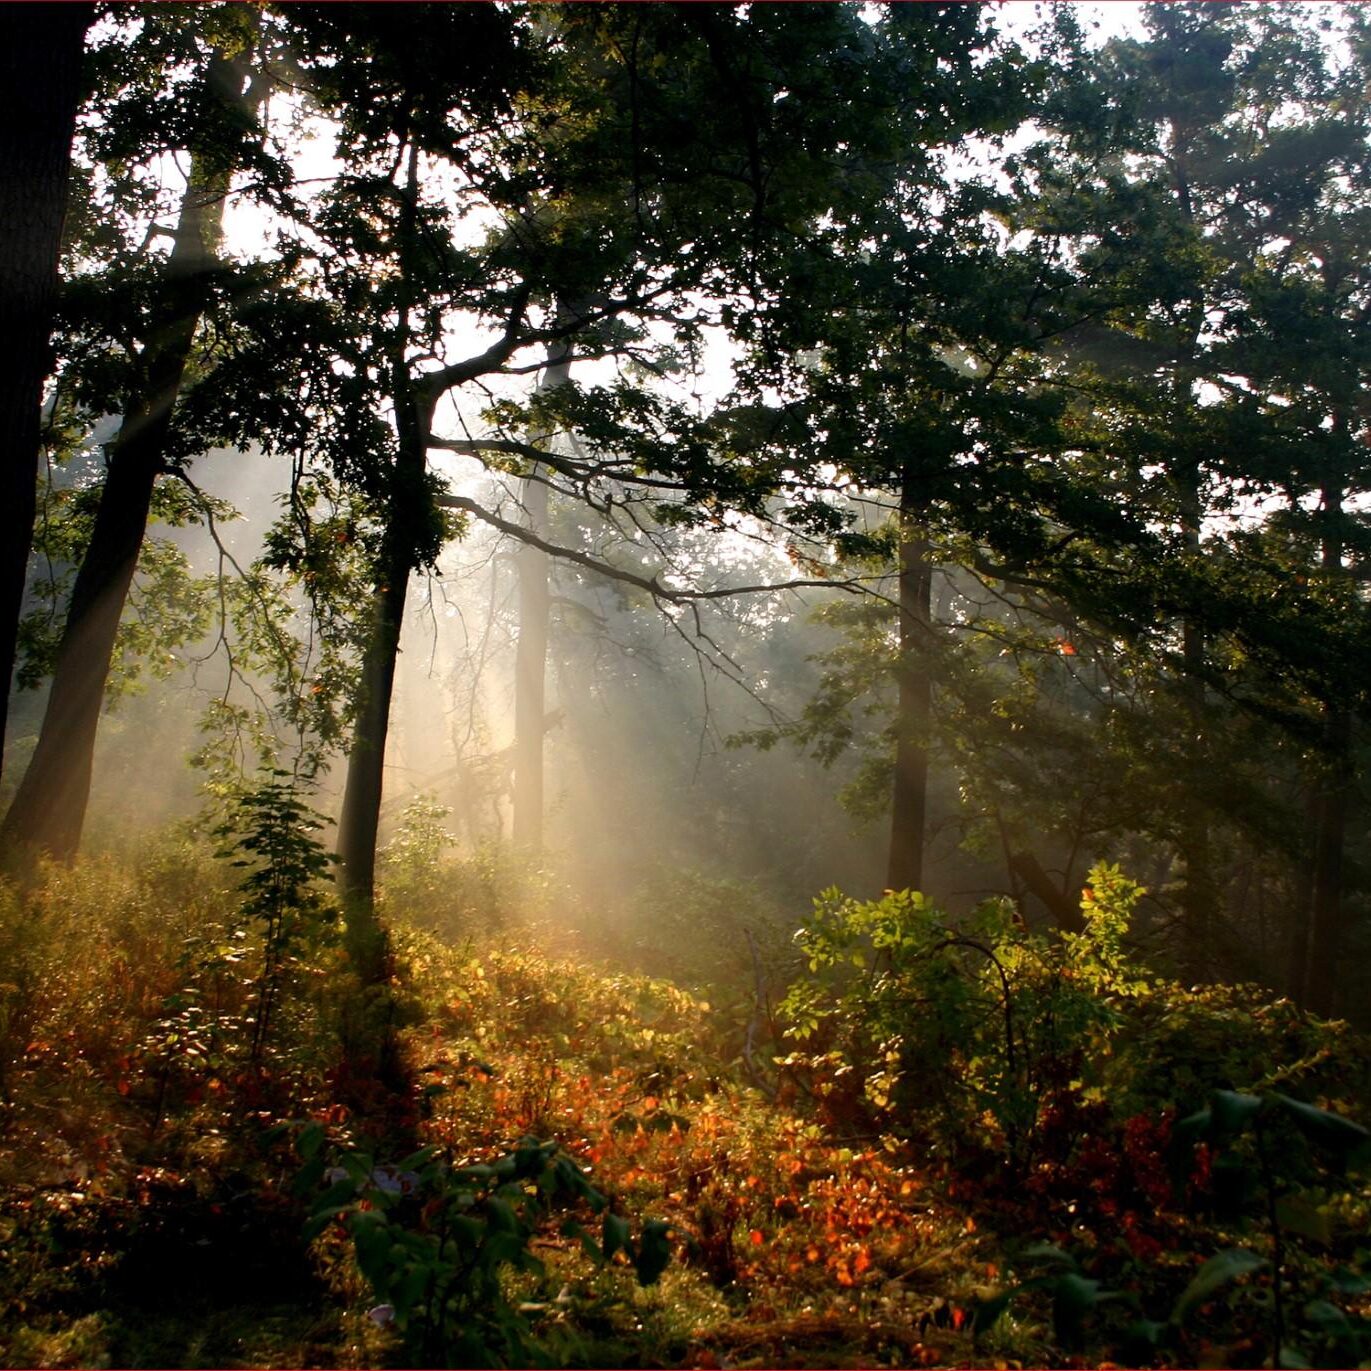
359	821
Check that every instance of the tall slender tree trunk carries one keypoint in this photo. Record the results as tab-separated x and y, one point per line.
1326	896
1297	960
40	83
360	817
1330	808
359	820
914	700
530	663
49	809
1199	894
409	510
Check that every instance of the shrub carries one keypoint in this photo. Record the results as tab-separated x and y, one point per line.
972	1031
436	1242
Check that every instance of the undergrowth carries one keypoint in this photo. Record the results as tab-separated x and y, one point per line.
949	1144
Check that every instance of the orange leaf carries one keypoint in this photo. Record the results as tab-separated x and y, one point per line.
757	1238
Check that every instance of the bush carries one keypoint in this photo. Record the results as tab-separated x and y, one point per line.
970	1033
437	1243
490	891
996	1038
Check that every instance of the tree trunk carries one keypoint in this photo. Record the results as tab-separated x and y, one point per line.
1199	898
914	683
1331	802
360	818
1297	965
1066	912
1326	899
359	821
40	82
49	808
530	664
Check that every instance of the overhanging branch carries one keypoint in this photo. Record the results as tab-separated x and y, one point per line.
654	587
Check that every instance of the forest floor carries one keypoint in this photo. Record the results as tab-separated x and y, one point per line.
152	1211
131	1246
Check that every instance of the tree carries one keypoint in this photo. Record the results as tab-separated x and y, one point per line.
603	116
912	376
530	669
167	302
1239	363
40	77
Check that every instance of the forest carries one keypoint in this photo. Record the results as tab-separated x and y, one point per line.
682	685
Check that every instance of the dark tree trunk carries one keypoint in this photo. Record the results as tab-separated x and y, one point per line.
1326	896
1297	967
49	809
409	513
530	665
914	702
1199	896
40	83
1330	807
360	818
530	675
1066	912
410	507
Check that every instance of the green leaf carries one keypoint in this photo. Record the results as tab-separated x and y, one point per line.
1142	1337
1073	1298
654	1251
309	1142
1301	1215
1231	1113
307	1177
1217	1272
573	1228
1347	1141
616	1236
1049	1252
986	1313
1348	1282
1327	1318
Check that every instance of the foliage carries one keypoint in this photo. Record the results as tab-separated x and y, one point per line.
975	1031
437	1242
274	827
169	608
1262	1157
